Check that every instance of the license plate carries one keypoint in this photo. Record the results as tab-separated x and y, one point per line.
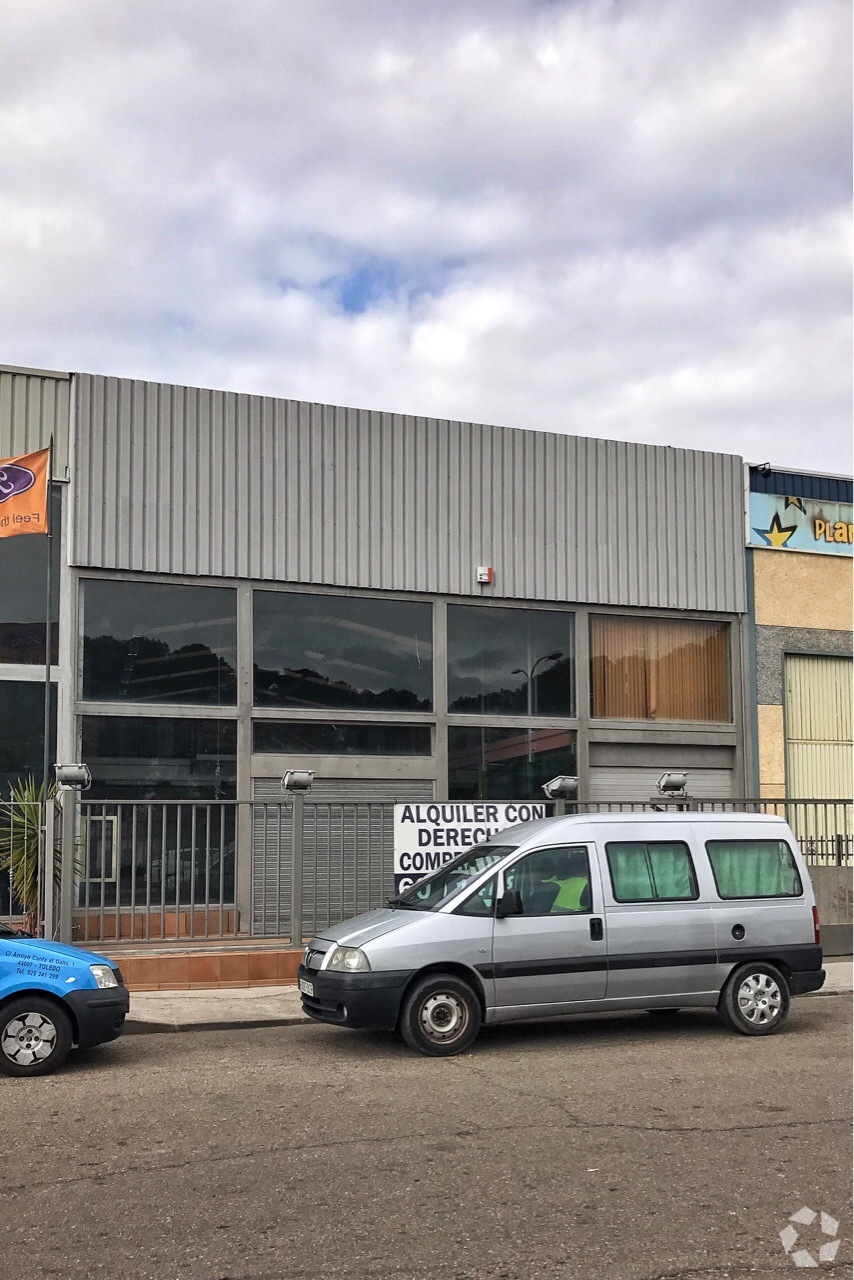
307	988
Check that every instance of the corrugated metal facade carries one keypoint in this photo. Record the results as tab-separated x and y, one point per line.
179	480
33	407
818	726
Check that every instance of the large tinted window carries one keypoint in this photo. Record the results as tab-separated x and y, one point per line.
506	764
144	758
156	642
23	591
659	669
315	738
22	732
342	651
510	661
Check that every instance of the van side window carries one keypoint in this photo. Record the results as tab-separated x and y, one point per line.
655	871
754	869
552	881
481	903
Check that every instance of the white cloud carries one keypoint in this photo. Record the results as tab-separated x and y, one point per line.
626	219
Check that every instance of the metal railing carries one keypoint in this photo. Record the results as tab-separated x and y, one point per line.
824	828
156	871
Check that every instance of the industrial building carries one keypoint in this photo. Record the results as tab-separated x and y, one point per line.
415	609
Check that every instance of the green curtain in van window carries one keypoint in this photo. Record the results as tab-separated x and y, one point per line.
754	869
657	872
671	871
630	873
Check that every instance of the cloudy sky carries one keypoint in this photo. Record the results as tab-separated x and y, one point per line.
621	218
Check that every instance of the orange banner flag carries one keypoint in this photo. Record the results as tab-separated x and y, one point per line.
23	494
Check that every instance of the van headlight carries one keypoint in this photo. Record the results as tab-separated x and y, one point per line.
348	960
104	975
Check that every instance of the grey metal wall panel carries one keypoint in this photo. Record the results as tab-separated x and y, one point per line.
181	480
33	407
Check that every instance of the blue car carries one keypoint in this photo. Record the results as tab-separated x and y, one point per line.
53	997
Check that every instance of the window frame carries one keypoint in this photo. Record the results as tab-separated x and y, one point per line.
656	901
553	849
758	897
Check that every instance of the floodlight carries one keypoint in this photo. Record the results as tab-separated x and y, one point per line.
561	788
671	783
298	780
74	776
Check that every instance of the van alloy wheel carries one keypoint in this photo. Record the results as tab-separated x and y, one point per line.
755	999
759	999
35	1036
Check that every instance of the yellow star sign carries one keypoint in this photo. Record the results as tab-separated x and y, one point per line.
777	534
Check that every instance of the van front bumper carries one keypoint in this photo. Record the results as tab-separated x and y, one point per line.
99	1014
369	1001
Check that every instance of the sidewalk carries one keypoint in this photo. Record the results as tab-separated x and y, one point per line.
158	1011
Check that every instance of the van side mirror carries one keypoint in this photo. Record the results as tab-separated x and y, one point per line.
510	904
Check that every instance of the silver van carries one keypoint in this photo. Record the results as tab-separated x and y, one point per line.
580	915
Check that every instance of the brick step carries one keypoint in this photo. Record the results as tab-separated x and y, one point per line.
205	968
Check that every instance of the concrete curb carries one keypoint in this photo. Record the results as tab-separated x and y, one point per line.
135	1027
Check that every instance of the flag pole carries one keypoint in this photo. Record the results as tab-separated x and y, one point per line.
48	625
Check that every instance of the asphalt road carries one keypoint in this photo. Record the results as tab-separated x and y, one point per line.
623	1147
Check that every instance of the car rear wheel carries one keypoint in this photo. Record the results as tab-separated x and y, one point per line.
755	1000
440	1016
35	1037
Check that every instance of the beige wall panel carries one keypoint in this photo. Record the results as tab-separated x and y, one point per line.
772	751
793	589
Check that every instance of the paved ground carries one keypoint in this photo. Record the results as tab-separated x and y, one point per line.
616	1148
280	1006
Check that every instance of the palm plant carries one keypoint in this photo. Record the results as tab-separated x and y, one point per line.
21	844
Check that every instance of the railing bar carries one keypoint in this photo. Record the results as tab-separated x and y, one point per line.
115	846
148	874
133	837
163	872
193	826
102	904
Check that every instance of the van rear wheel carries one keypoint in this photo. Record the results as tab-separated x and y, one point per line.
440	1016
35	1037
755	1000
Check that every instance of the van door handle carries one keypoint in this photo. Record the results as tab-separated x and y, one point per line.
596	932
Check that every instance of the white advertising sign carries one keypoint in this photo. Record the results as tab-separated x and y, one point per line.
426	836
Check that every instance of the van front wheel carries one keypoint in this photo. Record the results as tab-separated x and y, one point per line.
440	1016
755	1000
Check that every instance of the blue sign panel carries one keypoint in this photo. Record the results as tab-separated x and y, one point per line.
800	524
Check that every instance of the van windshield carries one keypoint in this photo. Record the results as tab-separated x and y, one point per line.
439	888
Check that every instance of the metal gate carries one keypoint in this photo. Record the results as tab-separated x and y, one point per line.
324	857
